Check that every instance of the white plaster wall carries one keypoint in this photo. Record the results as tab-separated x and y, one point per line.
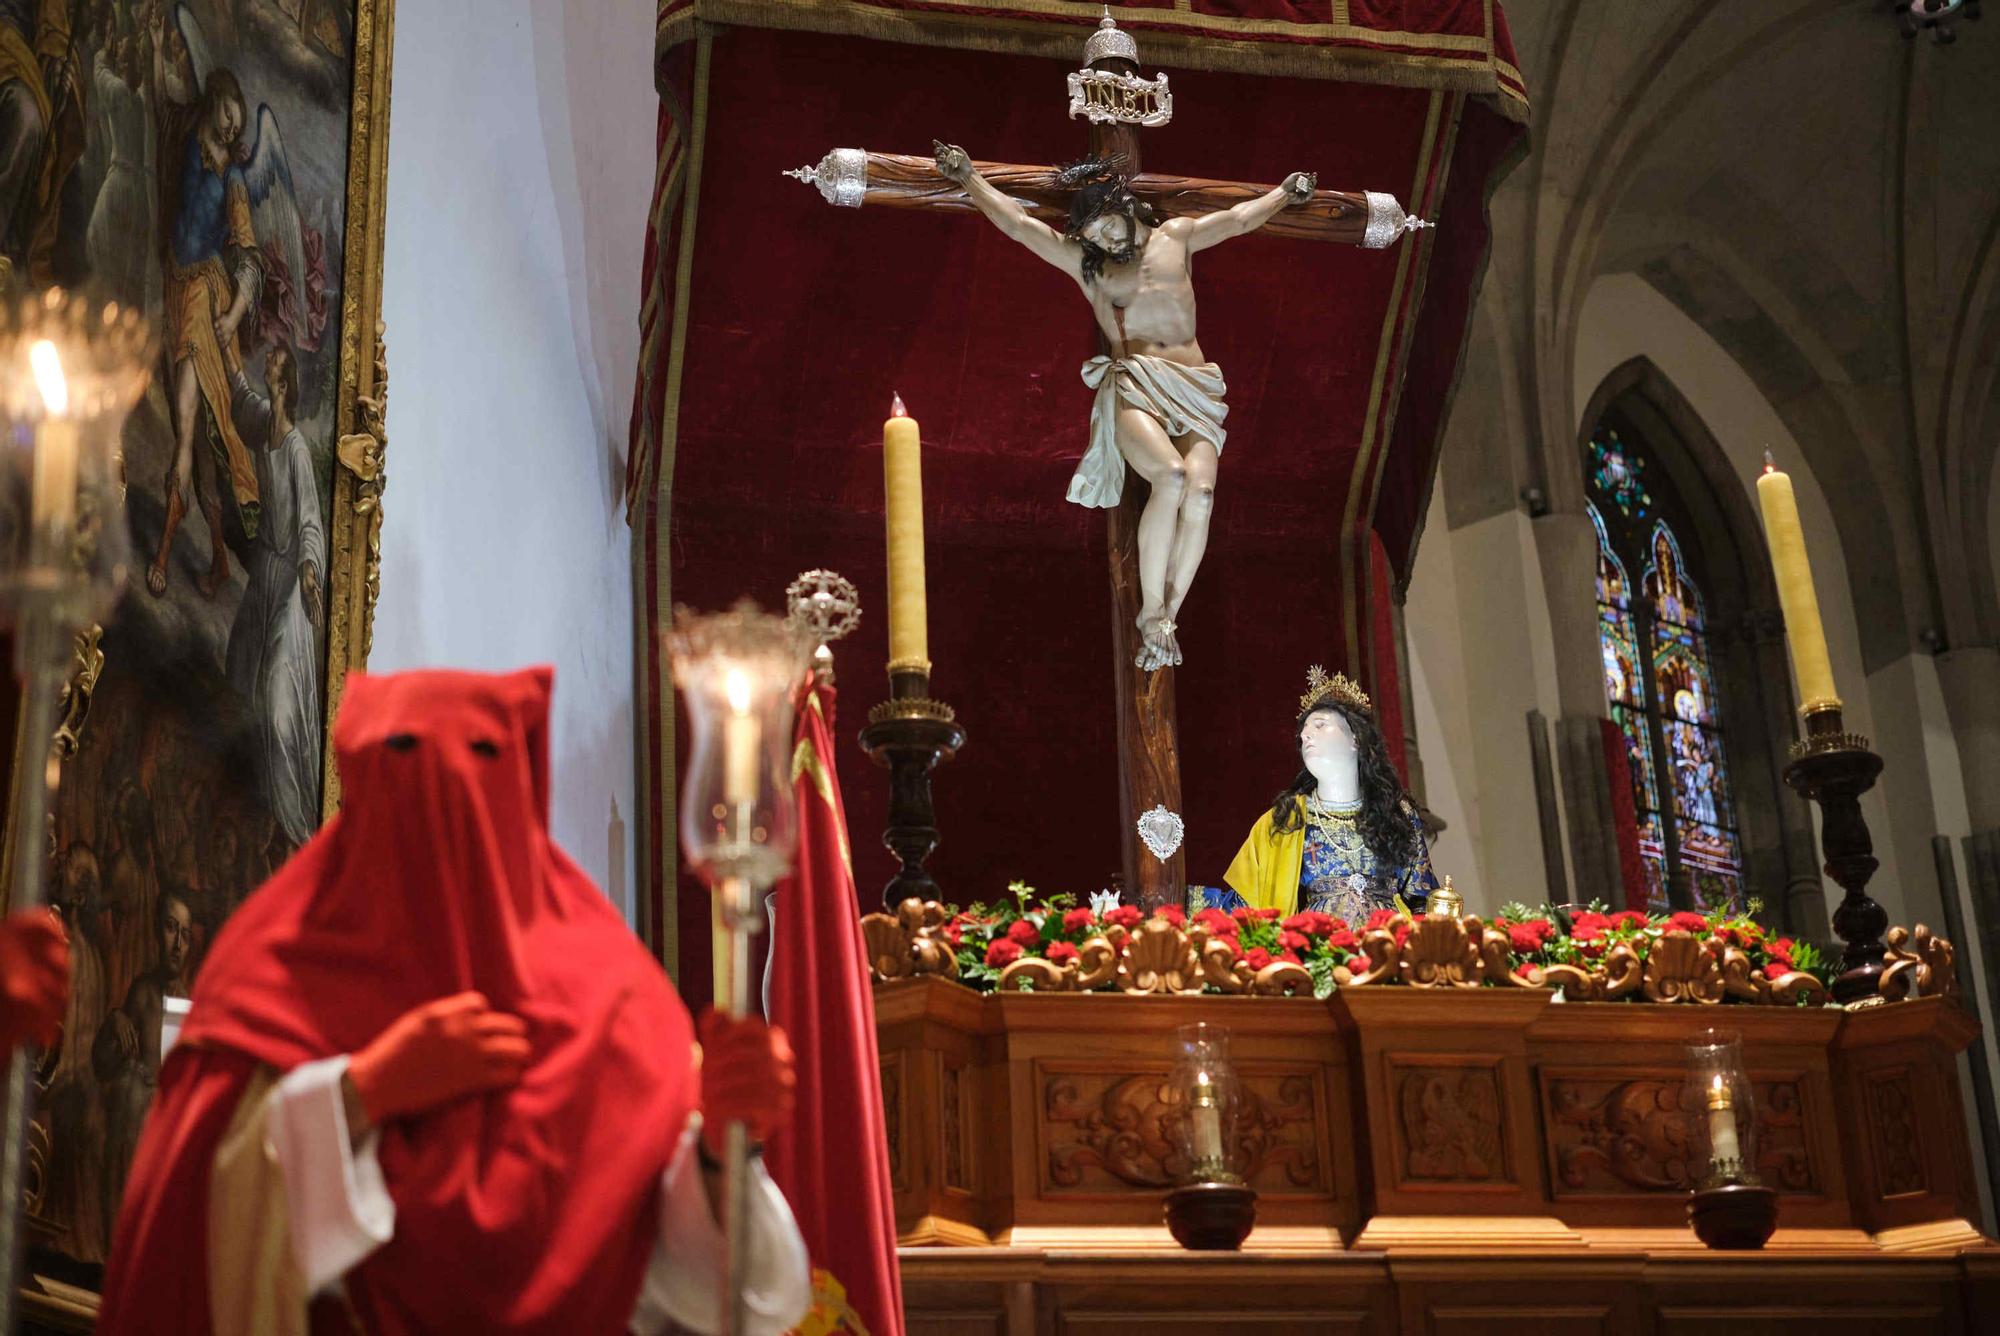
1482	656
1444	721
520	167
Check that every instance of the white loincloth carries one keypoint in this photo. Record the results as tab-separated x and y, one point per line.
1187	400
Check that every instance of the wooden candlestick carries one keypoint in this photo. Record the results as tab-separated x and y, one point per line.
910	734
1833	768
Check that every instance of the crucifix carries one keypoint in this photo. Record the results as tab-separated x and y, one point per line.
1126	237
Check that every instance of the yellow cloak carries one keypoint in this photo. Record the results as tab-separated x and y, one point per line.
1265	871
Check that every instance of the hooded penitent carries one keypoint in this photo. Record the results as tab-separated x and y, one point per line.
532	1209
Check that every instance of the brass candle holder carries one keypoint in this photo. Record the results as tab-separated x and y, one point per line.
911	734
1731	1207
1833	768
1211	1208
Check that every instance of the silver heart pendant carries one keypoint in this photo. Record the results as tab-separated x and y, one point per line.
1161	831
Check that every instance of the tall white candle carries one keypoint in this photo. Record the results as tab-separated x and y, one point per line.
53	500
903	477
1207	1123
740	739
1803	632
1722	1140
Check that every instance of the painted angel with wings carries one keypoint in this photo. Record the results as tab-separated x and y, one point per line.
234	249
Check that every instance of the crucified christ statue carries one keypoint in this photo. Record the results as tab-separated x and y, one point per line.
1159	401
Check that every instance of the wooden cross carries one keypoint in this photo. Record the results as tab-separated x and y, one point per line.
1149	754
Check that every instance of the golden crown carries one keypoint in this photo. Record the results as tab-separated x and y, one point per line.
1320	687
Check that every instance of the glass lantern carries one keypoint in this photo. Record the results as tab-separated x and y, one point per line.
737	672
1209	1101
1722	1142
70	372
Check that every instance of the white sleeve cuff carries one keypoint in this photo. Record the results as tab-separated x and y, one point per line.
684	1281
336	1201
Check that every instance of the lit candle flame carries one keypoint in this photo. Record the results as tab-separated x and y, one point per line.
42	356
737	687
1770	464
896	408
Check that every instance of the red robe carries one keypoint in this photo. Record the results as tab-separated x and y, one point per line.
529	1210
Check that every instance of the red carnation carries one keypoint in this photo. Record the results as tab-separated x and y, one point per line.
953	932
1024	932
1589	918
1268	915
1257	957
1342	939
1218	923
1686	920
1125	916
1077	920
1293	941
1002	952
1629	918
1173	914
1312	923
1524	938
1288	957
1061	953
1403	932
1243	913
1380	918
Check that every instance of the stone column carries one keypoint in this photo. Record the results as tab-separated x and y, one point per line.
1971	682
1566	544
1806	913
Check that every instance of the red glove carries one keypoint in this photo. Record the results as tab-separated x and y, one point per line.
436	1053
34	978
746	1077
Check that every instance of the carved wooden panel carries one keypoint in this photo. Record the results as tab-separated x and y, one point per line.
1892	1128
1449	1123
1114	1132
1619	1133
952	1118
892	1118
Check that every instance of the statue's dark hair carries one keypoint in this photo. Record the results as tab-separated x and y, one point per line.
1101	187
1385	818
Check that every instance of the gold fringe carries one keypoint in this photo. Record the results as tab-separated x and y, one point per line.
1474	73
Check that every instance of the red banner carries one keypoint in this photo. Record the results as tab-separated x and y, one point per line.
833	1162
1624	816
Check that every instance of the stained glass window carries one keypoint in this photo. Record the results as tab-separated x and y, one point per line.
1659	685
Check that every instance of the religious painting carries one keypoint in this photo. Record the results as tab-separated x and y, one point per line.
217	164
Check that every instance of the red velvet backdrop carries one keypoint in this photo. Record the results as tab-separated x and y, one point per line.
802	319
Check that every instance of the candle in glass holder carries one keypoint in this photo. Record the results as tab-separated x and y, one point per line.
1207	1124
1722	1142
1803	632
53	500
903	481
740	740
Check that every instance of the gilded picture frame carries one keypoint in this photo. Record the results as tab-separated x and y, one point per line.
239	81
